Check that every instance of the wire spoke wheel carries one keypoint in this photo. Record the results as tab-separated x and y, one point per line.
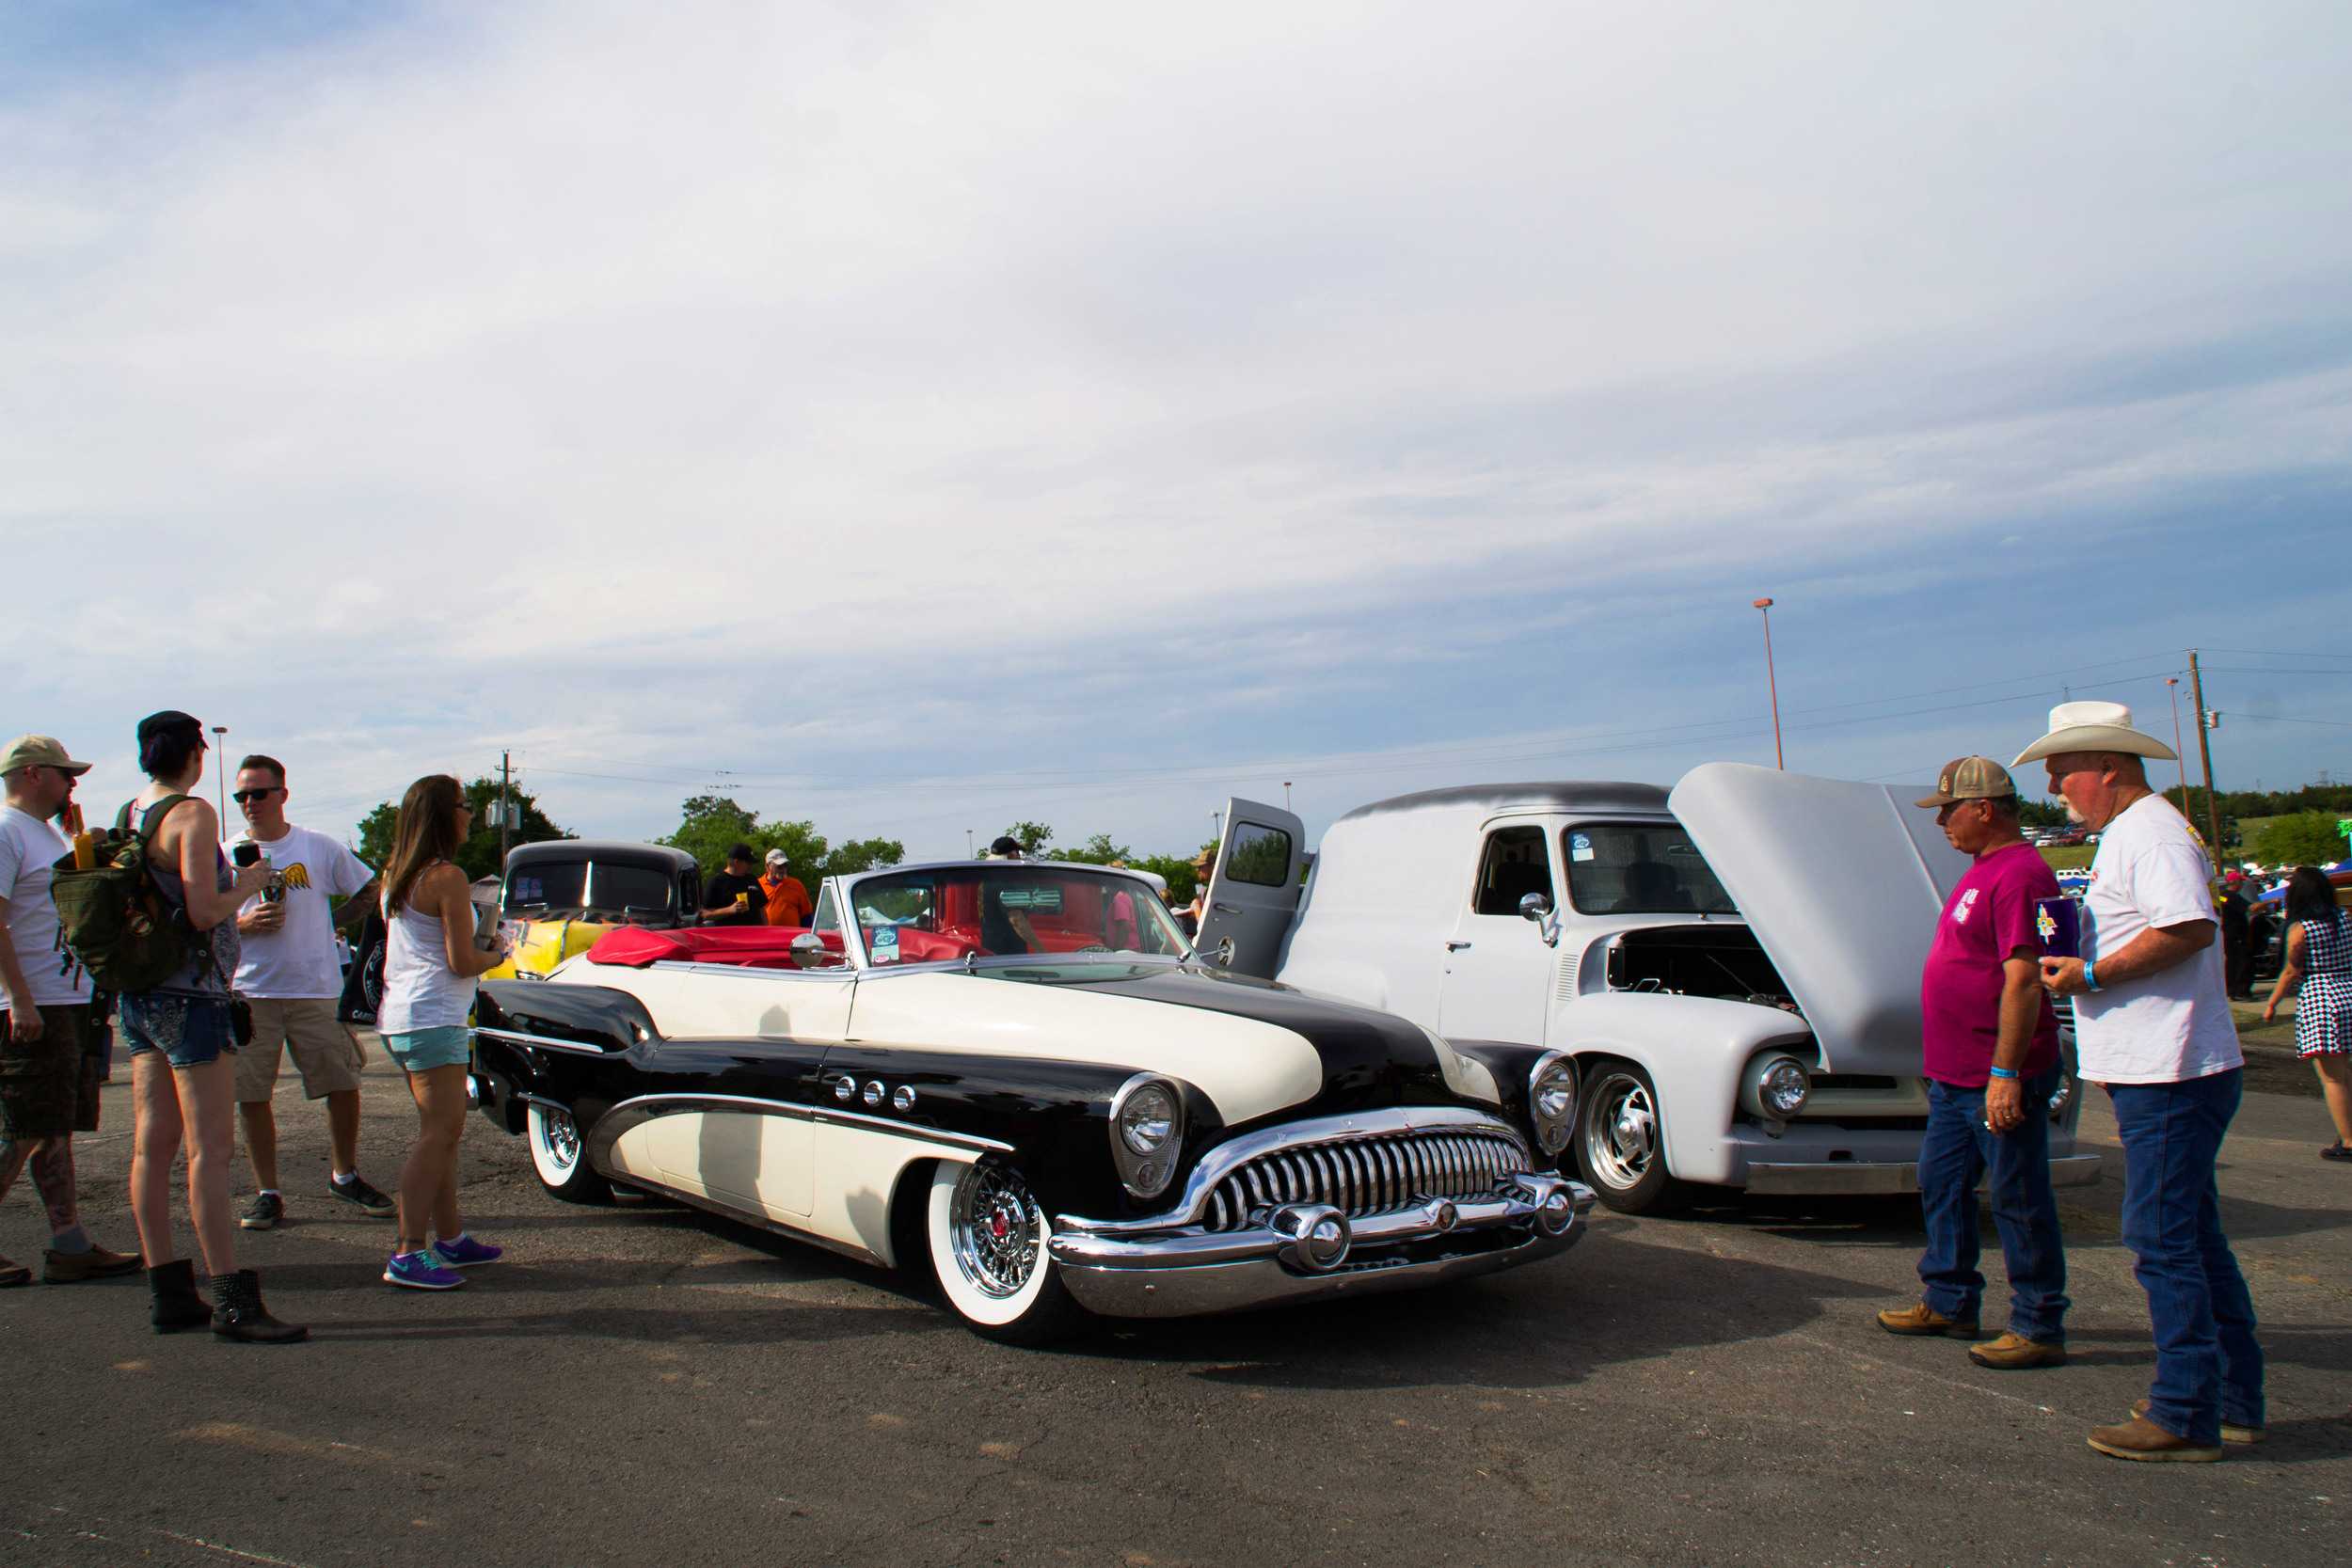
997	1227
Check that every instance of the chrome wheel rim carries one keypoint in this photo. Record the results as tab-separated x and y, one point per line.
1621	1133
559	1138
994	1224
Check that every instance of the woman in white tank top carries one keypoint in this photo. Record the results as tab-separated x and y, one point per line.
430	962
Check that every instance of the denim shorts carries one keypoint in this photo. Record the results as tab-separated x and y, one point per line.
420	1050
190	1031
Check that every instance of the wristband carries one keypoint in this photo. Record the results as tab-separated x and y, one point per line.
2003	1071
2090	981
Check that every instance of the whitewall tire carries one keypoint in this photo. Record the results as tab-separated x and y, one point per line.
557	1159
986	1233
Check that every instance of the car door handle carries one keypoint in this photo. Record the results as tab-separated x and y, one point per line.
1455	946
1226	909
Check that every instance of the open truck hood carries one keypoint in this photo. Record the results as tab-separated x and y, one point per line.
1842	884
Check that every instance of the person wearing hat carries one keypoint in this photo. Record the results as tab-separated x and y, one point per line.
787	901
52	1043
727	894
1192	914
2152	1022
1989	1045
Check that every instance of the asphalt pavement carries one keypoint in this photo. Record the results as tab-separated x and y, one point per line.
642	1383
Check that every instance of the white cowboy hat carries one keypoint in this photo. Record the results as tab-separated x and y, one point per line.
2092	727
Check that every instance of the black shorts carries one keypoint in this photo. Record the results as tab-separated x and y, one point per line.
49	1086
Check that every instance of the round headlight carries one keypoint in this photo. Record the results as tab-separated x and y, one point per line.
1147	1119
1552	1100
1784	1088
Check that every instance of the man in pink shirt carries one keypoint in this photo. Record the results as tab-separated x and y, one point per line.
1989	1041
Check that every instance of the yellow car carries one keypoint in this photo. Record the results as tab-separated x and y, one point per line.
559	897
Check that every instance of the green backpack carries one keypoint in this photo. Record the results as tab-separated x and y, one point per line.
114	917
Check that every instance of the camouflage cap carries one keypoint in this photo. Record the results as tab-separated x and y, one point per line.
1971	779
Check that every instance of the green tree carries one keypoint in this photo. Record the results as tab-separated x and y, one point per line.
2308	838
1176	870
479	855
1098	850
710	825
1031	836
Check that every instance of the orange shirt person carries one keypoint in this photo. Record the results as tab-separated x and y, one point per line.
788	903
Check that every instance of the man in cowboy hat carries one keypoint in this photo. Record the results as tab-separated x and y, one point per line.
2152	1024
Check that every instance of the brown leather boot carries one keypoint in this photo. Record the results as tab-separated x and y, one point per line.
1920	1318
2141	1439
238	1312
2232	1435
68	1268
2014	1353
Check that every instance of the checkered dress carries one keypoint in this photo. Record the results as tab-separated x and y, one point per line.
2323	1008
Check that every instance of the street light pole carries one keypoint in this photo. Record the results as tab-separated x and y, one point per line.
969	852
2180	758
1286	794
1779	760
220	773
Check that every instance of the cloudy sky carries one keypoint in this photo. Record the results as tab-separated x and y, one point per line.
920	417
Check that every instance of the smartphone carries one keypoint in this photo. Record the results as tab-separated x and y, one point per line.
245	852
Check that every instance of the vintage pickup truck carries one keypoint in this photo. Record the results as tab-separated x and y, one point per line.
1733	966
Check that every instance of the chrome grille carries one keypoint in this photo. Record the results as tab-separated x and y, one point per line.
1368	1176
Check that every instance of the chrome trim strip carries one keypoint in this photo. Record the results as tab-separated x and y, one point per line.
1221	1162
577	1047
644	1107
1846	1175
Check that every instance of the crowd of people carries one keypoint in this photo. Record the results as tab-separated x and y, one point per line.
256	977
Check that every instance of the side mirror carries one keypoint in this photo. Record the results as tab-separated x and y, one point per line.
810	952
1534	906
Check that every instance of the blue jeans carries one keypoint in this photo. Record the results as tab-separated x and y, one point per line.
2208	1367
1957	1150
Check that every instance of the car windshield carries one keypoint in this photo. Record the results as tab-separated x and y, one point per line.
580	887
1010	908
1650	868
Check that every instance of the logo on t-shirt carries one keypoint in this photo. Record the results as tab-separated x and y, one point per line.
1964	907
296	874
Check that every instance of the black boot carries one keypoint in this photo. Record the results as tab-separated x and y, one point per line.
177	1304
238	1312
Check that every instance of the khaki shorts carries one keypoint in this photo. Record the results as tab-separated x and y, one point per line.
324	1052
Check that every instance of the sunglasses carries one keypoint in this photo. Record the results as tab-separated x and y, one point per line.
242	796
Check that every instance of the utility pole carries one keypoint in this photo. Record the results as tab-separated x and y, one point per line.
2204	753
507	805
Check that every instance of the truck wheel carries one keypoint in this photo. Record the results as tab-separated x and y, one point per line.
1620	1142
987	1236
557	1159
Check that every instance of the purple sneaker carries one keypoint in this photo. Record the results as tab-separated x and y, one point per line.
418	1271
465	1252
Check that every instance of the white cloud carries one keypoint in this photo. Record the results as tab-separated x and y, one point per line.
806	381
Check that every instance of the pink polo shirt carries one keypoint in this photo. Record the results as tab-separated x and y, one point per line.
1989	916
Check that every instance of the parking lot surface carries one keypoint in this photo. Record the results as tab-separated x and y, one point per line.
642	1383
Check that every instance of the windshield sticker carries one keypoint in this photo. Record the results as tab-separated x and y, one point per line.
886	945
1580	847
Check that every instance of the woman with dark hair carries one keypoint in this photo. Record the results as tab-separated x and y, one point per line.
430	962
2319	954
181	1038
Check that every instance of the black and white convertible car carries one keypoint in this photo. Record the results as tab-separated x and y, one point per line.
1021	1077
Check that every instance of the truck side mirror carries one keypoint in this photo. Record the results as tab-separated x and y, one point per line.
1534	906
810	952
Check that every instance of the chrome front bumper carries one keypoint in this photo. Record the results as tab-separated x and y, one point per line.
1851	1177
1290	1253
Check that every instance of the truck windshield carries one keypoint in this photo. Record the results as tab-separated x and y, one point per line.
1649	868
577	888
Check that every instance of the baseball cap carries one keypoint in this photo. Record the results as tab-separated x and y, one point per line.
39	751
776	857
1970	779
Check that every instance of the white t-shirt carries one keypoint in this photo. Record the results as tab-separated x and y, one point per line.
28	849
297	960
2174	1024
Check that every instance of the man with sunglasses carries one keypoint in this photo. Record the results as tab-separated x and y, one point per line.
1989	1045
291	973
2152	1022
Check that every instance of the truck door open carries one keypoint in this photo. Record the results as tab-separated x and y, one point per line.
1253	889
